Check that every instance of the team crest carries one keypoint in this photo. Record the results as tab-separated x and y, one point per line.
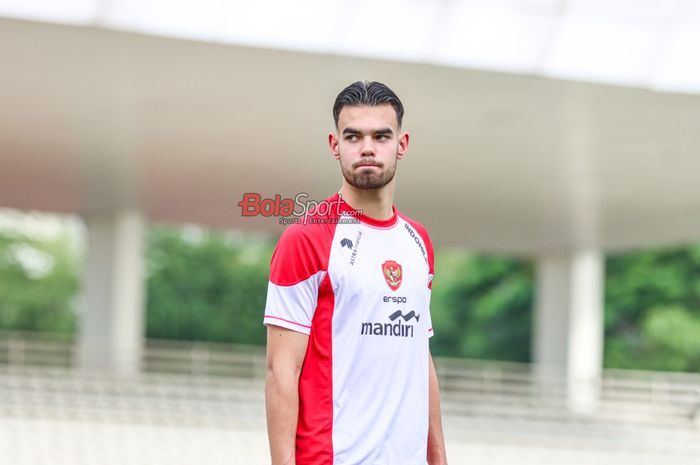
392	274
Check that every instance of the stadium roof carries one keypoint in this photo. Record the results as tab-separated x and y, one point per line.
94	119
643	43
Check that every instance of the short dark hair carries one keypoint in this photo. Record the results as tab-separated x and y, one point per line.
367	93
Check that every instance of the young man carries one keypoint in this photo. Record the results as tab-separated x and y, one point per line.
350	379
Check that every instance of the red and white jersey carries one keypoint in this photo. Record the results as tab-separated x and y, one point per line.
360	288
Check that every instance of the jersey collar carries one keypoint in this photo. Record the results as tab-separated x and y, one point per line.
345	207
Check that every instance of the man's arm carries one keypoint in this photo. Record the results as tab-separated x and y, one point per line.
436	440
285	356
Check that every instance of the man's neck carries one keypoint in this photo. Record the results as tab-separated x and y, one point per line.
375	203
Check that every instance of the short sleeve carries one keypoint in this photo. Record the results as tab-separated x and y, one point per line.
297	268
293	306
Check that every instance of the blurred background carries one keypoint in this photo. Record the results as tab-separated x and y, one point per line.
555	152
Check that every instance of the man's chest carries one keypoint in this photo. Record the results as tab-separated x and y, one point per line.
378	275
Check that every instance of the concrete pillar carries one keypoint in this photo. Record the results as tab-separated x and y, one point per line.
111	337
568	333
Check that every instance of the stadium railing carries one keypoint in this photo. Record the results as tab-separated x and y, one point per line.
469	387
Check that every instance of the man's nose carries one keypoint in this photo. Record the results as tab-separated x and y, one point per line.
367	147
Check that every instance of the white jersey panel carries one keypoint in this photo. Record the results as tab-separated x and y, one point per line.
381	324
293	306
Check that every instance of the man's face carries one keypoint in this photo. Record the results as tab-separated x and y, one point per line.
368	145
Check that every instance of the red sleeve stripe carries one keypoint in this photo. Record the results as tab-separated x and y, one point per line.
287	321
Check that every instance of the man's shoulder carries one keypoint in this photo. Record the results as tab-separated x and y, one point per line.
417	225
420	230
302	250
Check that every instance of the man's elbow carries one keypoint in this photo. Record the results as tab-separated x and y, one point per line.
283	370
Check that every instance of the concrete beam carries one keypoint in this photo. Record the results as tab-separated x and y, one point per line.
111	333
568	332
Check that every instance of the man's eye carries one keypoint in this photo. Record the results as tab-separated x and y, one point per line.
351	137
382	136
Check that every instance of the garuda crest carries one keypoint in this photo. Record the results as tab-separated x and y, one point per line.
392	274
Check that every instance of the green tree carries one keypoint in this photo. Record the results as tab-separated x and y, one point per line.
652	303
38	283
211	286
481	306
206	286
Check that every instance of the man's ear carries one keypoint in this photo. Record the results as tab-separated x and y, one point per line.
403	145
333	143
